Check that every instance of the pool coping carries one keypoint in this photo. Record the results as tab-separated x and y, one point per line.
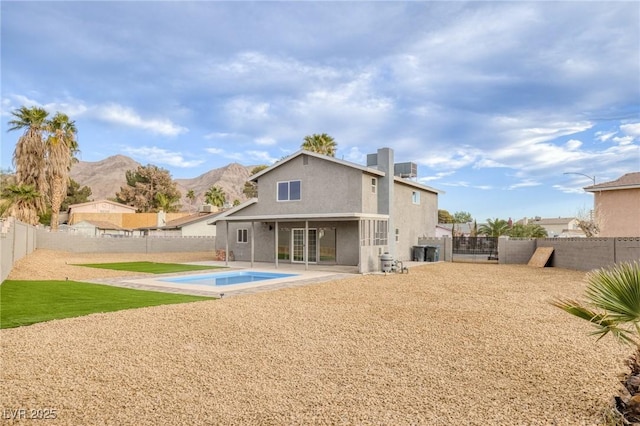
155	283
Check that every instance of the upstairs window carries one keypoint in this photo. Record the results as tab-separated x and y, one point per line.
415	197
374	184
289	191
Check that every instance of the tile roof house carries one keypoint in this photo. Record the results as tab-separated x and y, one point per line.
317	209
617	206
556	227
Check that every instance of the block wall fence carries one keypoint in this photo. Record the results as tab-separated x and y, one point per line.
18	239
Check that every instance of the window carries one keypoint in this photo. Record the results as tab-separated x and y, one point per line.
243	236
374	183
415	197
289	191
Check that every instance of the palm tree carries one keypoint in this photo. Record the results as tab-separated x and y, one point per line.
494	228
167	203
29	157
613	306
191	196
61	149
19	202
320	143
215	196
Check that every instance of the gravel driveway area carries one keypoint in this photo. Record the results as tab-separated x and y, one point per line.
448	343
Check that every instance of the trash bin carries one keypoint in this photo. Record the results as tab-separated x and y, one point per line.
431	253
418	253
386	262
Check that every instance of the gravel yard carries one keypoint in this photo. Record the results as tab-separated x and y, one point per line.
445	344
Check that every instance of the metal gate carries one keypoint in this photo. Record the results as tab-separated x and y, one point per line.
485	248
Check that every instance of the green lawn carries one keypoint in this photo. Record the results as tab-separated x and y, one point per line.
29	302
149	267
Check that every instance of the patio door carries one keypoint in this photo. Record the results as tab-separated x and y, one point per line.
297	245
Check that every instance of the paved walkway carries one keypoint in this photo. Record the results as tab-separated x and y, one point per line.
314	274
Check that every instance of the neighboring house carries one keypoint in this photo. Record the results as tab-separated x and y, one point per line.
195	225
313	208
559	227
460	229
108	210
95	228
617	206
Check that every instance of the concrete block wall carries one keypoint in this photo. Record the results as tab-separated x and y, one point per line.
444	244
581	254
516	250
86	244
17	239
627	249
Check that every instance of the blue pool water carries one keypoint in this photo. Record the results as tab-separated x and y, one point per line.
227	278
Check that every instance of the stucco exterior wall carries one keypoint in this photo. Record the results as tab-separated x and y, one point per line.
199	229
102	207
618	213
413	221
326	187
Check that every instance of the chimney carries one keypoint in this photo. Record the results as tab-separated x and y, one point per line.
162	218
385	194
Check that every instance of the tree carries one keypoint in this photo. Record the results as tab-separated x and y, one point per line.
215	196
143	186
530	230
494	228
587	223
613	306
166	203
250	189
460	217
191	196
29	159
61	149
320	143
75	195
444	217
18	201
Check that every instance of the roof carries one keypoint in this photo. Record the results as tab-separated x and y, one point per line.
364	169
104	225
548	221
101	202
184	221
627	181
298	153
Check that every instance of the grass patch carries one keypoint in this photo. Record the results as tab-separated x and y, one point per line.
149	267
30	302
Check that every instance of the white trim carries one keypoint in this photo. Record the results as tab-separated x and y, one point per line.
303	216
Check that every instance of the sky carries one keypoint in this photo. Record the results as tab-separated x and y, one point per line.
509	108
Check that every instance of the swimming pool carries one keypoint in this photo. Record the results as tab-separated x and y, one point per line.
227	278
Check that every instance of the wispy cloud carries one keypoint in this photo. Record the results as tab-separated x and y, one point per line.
121	115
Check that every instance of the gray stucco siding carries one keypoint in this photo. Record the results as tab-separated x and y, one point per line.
326	187
413	221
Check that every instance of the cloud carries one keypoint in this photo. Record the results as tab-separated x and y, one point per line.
524	184
162	156
631	129
265	141
118	114
215	151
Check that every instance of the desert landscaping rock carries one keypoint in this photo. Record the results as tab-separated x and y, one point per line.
445	344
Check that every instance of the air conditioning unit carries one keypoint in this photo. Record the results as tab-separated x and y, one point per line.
405	170
206	208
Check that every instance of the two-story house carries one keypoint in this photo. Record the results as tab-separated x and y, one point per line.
617	206
313	208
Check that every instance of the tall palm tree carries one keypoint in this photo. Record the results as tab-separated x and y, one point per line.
61	149
215	196
29	157
320	143
19	202
494	228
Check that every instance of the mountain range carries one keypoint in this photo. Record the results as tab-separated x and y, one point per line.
107	176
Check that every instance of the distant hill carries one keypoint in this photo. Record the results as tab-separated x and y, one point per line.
107	176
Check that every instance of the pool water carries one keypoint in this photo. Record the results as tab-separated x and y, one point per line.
227	278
